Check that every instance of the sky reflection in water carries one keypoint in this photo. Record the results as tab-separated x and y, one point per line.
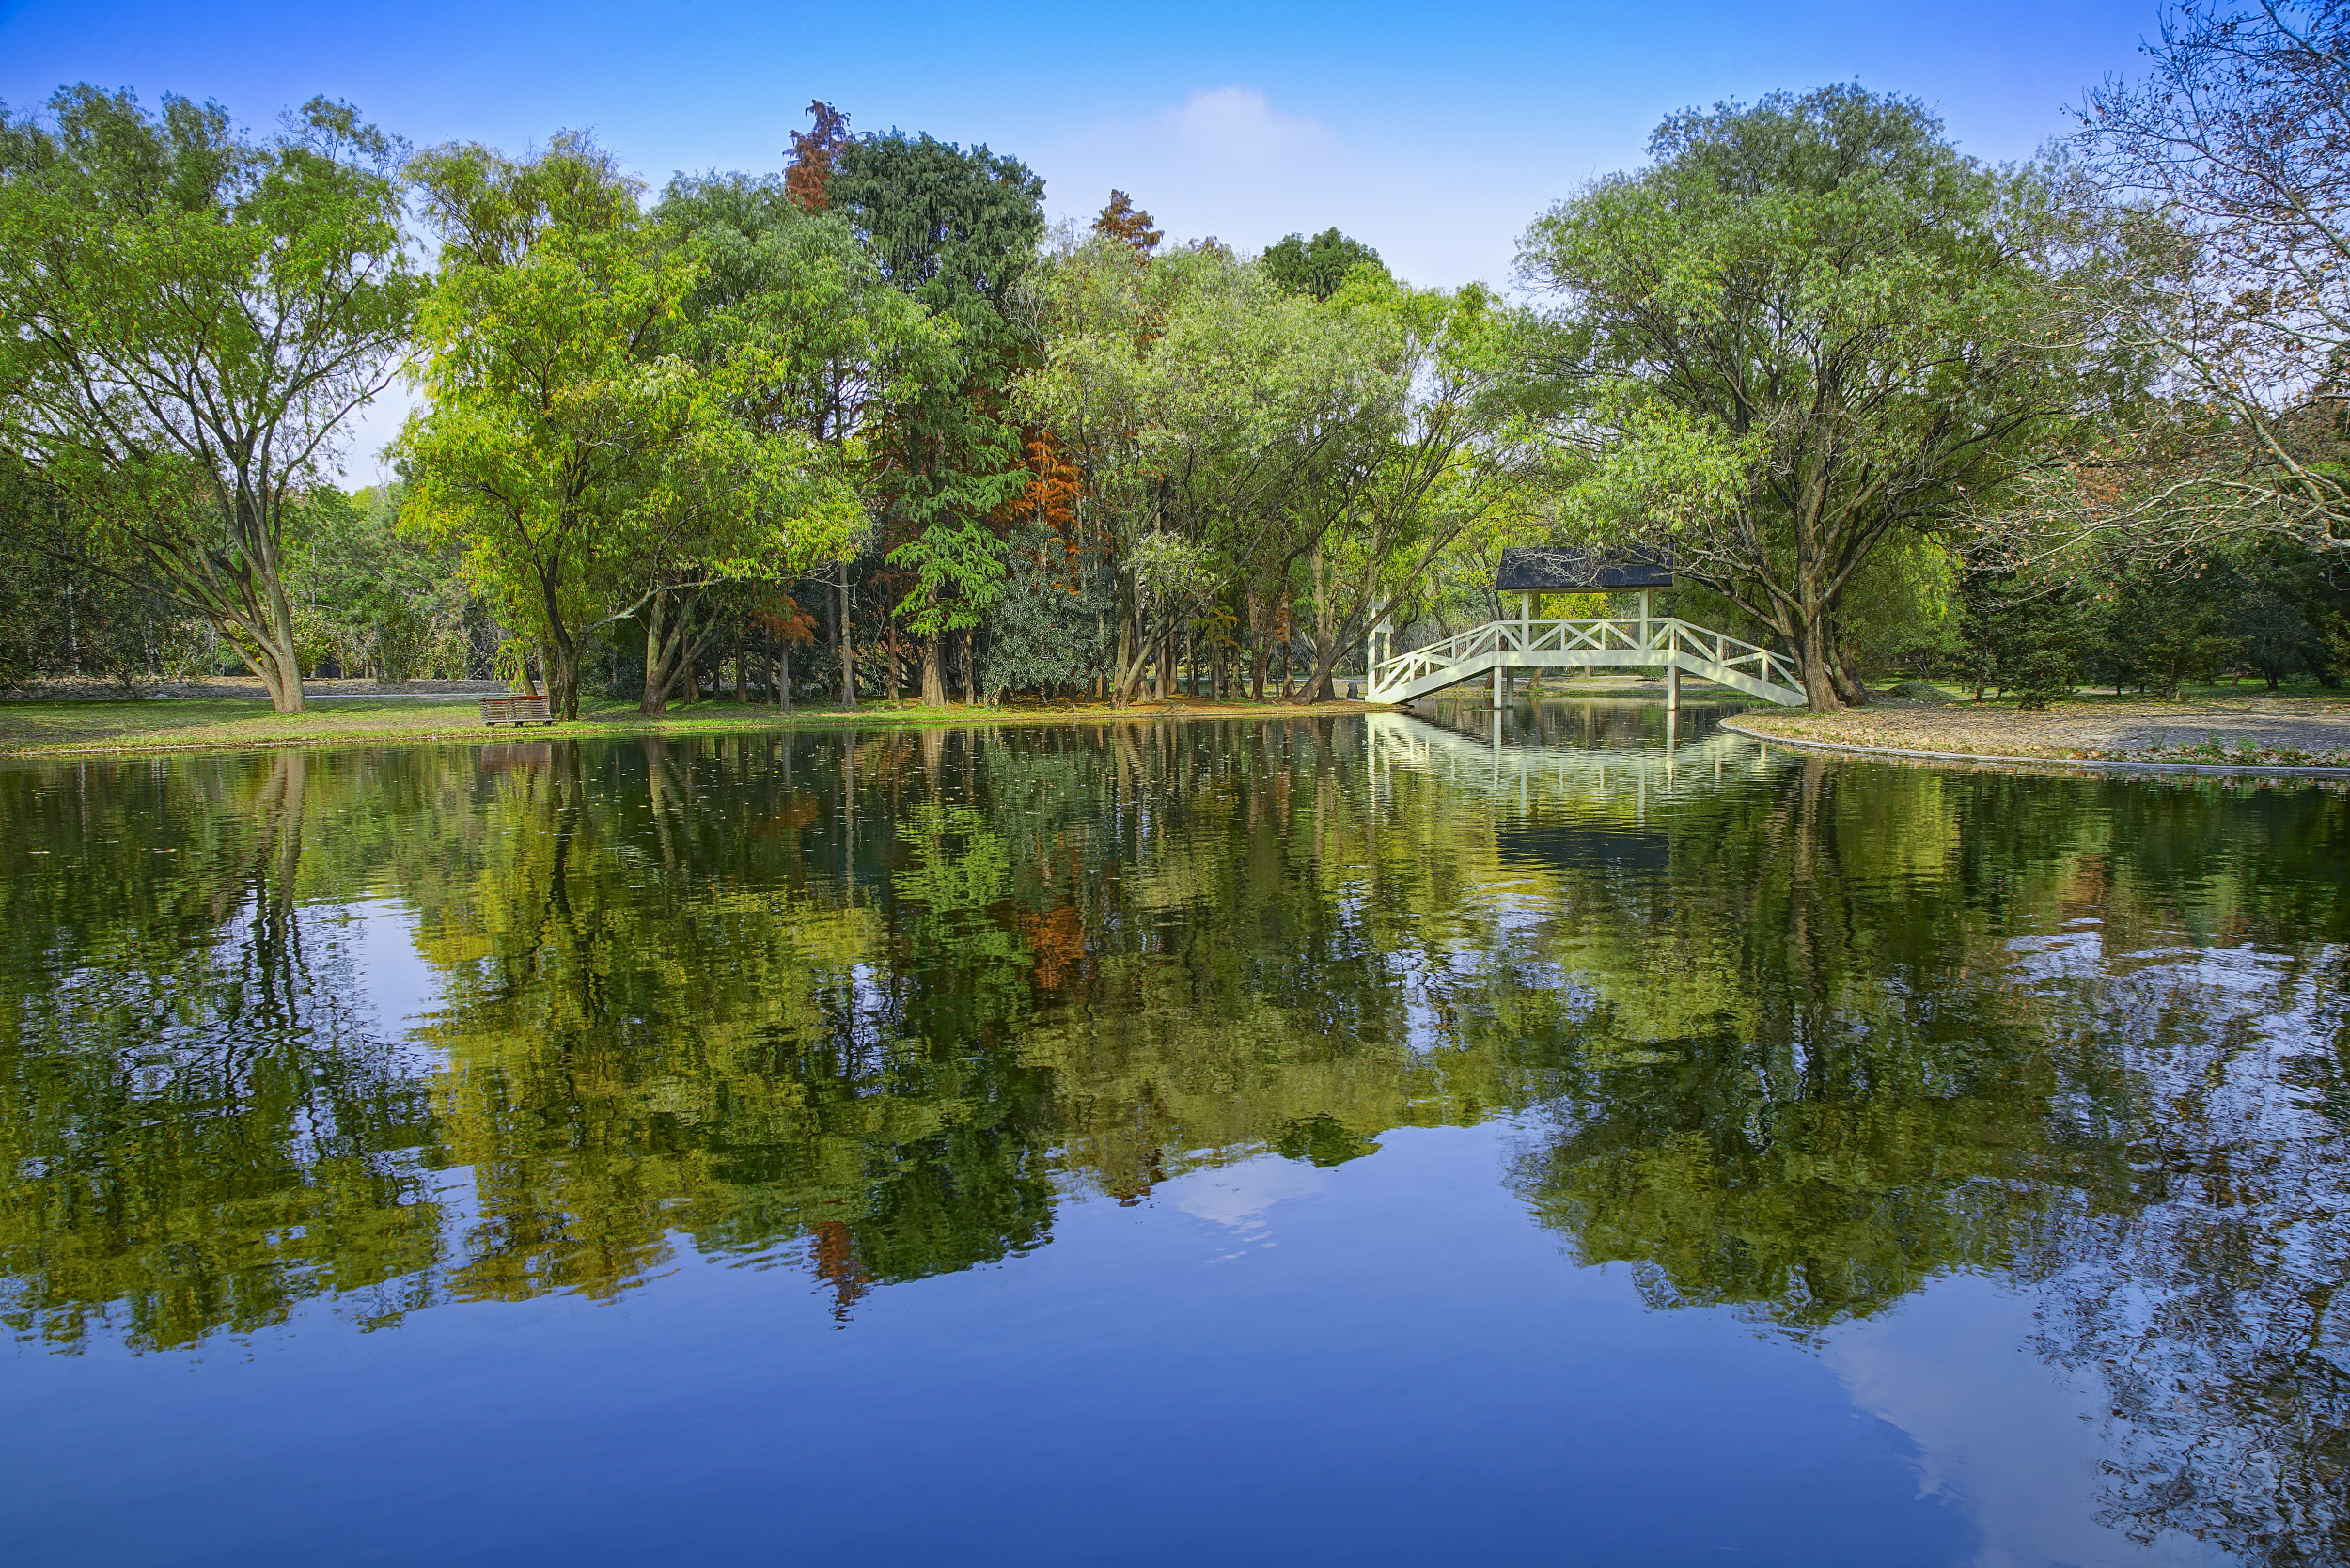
1286	1141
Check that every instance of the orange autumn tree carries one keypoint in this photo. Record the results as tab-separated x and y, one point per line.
815	153
1052	624
786	626
1127	222
1054	629
1051	500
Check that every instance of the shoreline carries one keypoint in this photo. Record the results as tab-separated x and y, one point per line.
84	727
2014	762
436	723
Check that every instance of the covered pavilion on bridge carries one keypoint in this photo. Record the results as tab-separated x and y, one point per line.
1536	569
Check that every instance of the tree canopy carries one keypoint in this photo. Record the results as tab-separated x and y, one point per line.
1318	266
188	314
1808	326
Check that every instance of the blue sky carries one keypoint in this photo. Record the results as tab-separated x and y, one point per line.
1433	133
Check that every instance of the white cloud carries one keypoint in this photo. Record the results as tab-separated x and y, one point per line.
1239	1197
1999	1433
1238	125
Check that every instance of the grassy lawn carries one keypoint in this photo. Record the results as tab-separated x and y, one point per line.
99	727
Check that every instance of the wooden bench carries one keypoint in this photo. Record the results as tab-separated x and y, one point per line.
515	708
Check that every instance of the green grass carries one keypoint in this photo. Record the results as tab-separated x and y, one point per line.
101	727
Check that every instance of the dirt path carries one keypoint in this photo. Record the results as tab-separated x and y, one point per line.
2251	731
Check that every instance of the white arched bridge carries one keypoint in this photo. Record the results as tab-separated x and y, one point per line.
1643	641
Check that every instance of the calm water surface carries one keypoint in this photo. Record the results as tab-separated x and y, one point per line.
1341	1141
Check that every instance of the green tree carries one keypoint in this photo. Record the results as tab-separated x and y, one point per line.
1319	266
1238	440
793	314
188	314
2167	624
2022	632
1810	326
956	228
391	604
597	456
535	380
2288	609
65	616
1201	404
1450	454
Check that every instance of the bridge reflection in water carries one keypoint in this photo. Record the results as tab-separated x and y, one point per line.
1540	769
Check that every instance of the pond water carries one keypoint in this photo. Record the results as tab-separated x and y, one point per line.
1344	1141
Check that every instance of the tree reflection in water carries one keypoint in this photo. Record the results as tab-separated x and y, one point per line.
874	1006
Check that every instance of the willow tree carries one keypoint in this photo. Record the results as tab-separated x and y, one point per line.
1808	326
188	315
1447	460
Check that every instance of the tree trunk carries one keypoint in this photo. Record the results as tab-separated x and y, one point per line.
933	671
1847	681
558	655
848	650
276	665
1319	689
1132	658
1259	653
653	701
1816	664
283	678
561	667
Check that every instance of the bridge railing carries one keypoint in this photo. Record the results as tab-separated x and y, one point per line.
1636	640
1729	653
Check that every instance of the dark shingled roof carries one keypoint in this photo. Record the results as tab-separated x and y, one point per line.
1557	569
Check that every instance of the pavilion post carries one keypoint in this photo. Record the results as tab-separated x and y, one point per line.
1526	641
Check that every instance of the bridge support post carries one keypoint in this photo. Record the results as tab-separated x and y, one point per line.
1672	688
1497	679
